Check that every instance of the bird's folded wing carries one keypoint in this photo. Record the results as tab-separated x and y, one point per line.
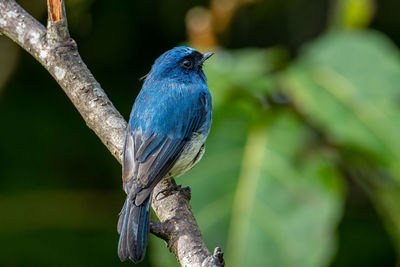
149	156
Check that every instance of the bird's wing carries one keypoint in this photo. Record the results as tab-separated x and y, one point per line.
149	155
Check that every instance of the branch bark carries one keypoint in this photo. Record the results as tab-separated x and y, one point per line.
58	53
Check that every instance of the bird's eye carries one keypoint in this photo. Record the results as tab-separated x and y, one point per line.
187	64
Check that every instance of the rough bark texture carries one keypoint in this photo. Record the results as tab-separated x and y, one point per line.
58	53
184	233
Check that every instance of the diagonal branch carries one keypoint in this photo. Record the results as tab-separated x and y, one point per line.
58	53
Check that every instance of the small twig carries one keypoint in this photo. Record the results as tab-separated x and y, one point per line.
54	10
58	53
57	25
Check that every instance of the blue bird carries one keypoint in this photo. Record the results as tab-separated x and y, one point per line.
168	125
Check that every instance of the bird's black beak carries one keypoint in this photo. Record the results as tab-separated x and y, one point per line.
206	56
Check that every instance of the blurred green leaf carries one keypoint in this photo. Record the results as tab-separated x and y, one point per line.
287	203
347	83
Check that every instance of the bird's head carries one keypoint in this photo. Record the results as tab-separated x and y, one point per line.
179	63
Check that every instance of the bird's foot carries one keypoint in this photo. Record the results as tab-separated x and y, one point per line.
171	189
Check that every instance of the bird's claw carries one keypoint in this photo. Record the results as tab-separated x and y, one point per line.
171	189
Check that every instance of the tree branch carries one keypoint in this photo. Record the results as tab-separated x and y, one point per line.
58	53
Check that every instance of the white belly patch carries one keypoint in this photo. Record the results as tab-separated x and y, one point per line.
191	155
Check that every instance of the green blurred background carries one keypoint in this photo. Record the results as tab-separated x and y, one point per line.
302	163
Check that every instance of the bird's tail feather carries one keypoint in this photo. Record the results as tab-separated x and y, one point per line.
134	227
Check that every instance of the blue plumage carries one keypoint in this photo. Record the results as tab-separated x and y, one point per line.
169	123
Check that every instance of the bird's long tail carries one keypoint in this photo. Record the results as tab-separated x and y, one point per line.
134	227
